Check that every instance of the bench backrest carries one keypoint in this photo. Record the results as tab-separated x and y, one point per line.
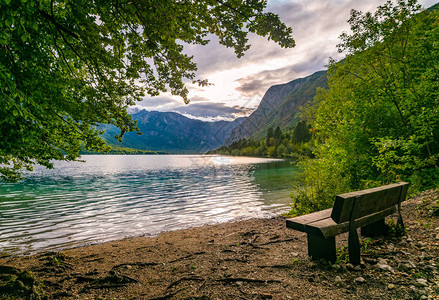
368	201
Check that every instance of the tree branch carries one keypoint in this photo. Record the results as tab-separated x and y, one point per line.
59	26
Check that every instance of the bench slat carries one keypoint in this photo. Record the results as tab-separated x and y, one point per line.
369	201
328	228
298	223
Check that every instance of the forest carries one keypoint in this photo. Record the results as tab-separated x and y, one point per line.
378	122
292	144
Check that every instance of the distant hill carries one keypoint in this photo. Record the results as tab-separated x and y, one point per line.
279	107
172	132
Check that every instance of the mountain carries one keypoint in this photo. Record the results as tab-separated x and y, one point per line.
172	132
279	107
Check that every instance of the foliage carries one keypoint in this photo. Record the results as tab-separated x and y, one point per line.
291	144
379	121
17	284
66	66
395	229
342	256
124	150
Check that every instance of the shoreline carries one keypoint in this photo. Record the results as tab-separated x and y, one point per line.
269	215
247	259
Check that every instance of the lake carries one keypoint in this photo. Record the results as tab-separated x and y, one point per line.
110	197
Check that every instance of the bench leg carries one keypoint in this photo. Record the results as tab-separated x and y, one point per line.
375	229
319	247
354	247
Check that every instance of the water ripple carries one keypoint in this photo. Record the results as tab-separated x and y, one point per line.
111	197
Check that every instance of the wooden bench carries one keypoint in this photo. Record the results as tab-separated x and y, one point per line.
366	209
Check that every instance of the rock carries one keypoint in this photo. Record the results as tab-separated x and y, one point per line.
338	281
437	236
370	260
382	261
294	254
423	297
409	239
336	267
423	291
385	268
421	282
351	267
390	286
402	267
420	244
409	265
360	280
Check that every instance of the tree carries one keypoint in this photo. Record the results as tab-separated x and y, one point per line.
67	66
277	133
378	122
269	136
301	133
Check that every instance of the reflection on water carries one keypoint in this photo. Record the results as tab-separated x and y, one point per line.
111	197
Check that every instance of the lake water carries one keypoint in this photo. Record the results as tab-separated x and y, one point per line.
115	196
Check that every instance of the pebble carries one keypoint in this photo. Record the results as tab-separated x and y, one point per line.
294	254
360	280
382	261
421	282
385	267
370	260
420	244
338	280
437	236
409	239
390	286
351	267
410	265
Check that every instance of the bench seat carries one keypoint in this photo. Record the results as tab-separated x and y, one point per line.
321	224
365	209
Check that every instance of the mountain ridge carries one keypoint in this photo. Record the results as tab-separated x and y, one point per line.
172	132
279	107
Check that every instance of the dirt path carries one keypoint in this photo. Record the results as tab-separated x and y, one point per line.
252	259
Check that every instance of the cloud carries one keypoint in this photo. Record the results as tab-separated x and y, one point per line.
198	108
257	84
211	110
158	102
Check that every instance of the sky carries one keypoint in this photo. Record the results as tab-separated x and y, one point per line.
239	84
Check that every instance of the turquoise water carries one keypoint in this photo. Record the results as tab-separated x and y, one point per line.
111	197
